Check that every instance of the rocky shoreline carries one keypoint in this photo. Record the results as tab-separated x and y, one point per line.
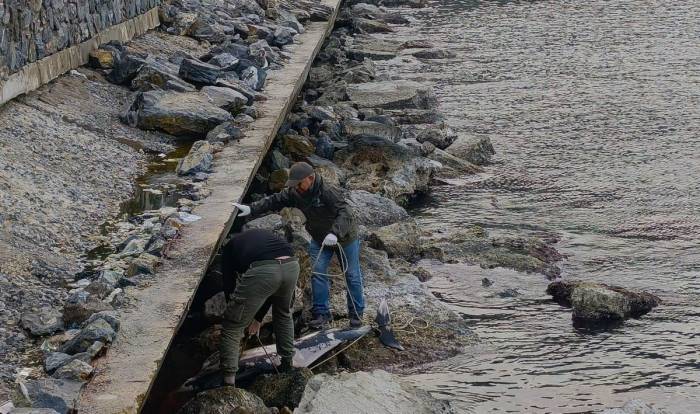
383	141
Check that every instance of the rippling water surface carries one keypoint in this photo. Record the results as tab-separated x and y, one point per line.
594	110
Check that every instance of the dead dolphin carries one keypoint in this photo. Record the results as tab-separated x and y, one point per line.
386	334
309	349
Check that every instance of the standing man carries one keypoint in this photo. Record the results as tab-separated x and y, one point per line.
330	222
267	275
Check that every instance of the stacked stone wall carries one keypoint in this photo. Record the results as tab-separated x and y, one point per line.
31	30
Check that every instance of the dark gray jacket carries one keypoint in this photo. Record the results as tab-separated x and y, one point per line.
323	205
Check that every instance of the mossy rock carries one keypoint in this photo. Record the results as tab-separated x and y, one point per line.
284	389
225	400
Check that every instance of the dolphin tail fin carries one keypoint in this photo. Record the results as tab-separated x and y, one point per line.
386	334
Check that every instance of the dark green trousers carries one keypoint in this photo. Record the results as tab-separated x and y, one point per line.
275	281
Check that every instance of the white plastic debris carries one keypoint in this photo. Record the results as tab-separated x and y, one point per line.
188	218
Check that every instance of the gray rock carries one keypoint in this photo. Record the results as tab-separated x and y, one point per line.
153	75
374	210
392	95
125	68
328	170
376	392
55	360
477	150
188	114
198	72
45	321
225	98
415	116
599	303
215	306
226	61
277	160
440	137
225	400
252	77
456	166
283	390
33	411
224	133
434	53
283	36
145	263
110	317
398	240
57	394
98	330
199	159
79	309
353	127
370	26
75	370
380	166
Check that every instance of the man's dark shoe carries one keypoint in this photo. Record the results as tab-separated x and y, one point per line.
320	322
355	321
286	365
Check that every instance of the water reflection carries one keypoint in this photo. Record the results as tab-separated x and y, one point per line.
593	108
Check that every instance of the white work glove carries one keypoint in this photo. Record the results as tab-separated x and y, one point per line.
330	240
243	210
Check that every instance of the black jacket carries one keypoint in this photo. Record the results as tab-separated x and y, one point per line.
323	205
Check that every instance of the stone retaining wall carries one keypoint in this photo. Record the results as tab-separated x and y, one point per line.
39	40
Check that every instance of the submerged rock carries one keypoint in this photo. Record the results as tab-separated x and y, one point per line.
634	407
225	400
434	53
284	389
599	303
375	392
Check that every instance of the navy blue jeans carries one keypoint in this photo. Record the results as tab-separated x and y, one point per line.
320	285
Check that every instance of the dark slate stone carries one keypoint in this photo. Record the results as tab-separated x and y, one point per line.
198	72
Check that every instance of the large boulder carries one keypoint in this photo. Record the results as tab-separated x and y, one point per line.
593	302
188	114
375	392
199	159
378	165
225	400
392	95
44	321
282	390
57	394
398	240
353	127
225	98
477	150
153	75
453	166
374	210
198	72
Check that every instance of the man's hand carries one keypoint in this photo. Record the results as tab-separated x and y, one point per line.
330	240
254	328
243	210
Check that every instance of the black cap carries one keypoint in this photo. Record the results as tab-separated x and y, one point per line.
298	172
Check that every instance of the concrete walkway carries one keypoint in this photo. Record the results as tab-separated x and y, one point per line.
124	376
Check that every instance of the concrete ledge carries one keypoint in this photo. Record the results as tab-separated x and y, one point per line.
124	376
49	68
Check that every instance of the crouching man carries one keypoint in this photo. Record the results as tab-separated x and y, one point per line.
267	275
330	222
